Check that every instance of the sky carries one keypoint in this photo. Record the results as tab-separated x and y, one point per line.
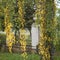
57	3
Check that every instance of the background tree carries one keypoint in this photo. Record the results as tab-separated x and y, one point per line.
57	44
1	16
29	13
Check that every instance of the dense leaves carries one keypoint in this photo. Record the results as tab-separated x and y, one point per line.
29	11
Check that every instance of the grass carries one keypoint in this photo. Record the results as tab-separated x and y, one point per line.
10	56
56	57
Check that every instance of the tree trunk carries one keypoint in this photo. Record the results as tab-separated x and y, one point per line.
46	12
8	25
22	23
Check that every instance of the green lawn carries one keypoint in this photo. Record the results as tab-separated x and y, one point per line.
9	56
56	57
